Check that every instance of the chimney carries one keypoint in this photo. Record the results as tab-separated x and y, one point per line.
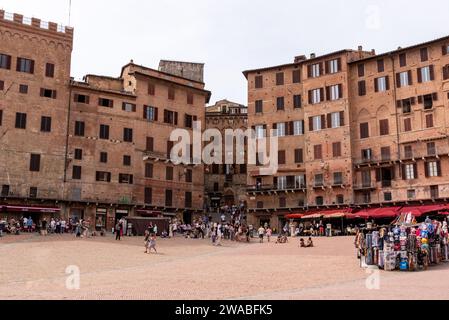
399	48
360	48
373	51
300	58
312	56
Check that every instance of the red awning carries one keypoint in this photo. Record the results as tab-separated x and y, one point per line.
378	213
294	216
32	209
423	210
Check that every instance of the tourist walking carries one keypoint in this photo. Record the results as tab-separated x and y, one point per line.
118	231
261	233
152	244
44	227
269	234
147	240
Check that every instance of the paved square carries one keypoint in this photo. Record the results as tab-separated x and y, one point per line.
34	268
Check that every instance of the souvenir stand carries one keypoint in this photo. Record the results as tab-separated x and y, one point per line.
404	245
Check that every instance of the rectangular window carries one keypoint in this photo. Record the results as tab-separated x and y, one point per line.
318	152
150	144
315	96
188	121
385	153
282	202
407	125
338	178
48	93
280	129
49	70
433	169
170	117
298	128
25	65
388	196
410	173
128	107
76	173
46	124
429	121
127	161
336	120
81	98
190	98
168	198
381	84
125	178
171	93
280	79
127	135
151	89
408	152
435	192
33	192
78	154
280	103
334	92
334	66
104	132
259	106
315	70
336	149
150	113
406	105
148	195
259	82
367	154
23	89
103	157
362	88
5	61
35	162
424	54
281	157
425	74
300	182
281	183
403	79
169	173
296	75
319	180
107	103
317	124
189	176
384	127
299	156
148	170
380	65
364	130
79	128
431	149
188	200
361	70
402	60
103	176
21	120
297	101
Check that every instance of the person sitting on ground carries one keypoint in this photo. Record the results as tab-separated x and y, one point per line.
302	243
309	243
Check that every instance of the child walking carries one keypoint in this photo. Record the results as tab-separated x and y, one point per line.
152	243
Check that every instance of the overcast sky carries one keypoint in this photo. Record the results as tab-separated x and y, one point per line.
230	36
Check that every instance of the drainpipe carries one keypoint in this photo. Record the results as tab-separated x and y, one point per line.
67	135
396	111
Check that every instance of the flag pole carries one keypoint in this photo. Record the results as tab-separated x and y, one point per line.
70	11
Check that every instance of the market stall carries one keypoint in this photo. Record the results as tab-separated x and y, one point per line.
405	244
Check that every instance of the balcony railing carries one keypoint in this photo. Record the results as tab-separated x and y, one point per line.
273	188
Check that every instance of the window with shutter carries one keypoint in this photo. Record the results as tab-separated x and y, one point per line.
151	89
259	106
46	124
446	72
171	93
296	75
385	153
384	127
362	88
25	65
148	195
76	172
407	125
424	54
299	156
361	70
259	82
79	128
380	65
280	79
104	132
190	98
403	59
318	152
364	130
336	148
49	70
280	103
21	120
281	157
150	144
5	61
429	121
168	198
445	49
297	103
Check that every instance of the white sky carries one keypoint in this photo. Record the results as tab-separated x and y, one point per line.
232	35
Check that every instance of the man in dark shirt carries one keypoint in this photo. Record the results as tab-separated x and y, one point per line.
44	227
